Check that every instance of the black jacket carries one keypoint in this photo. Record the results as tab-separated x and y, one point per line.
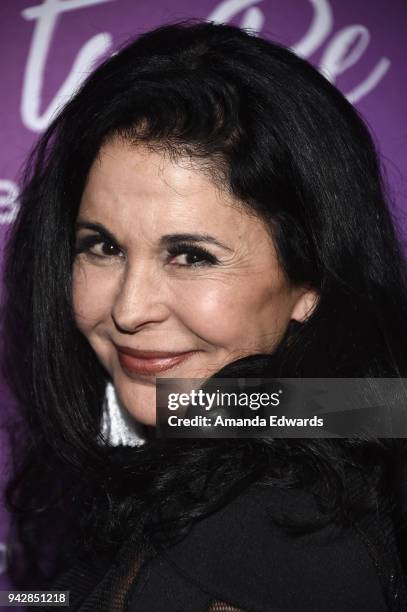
238	558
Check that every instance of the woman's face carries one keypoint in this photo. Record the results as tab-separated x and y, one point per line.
172	278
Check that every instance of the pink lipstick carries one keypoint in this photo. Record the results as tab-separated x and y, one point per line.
149	363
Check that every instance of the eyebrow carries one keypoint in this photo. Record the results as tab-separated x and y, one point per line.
97	227
172	239
167	239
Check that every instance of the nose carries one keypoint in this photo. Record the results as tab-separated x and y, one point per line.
140	299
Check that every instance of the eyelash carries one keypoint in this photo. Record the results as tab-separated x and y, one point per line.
85	244
206	258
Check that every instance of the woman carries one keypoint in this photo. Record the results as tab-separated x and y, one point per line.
206	205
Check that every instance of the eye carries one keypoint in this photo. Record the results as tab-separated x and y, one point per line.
98	247
191	256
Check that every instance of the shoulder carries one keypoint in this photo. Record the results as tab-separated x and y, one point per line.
241	551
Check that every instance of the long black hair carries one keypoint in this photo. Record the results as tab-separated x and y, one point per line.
282	139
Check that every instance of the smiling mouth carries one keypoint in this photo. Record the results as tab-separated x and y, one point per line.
149	363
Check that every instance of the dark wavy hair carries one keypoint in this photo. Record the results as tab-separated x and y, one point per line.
282	139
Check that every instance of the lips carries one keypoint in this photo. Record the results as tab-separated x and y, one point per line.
148	363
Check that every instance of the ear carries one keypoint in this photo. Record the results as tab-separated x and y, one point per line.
305	304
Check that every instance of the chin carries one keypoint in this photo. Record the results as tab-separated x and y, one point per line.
139	400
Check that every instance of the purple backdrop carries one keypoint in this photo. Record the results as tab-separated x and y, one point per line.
48	46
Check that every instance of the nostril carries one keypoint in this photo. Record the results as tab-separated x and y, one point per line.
130	320
122	327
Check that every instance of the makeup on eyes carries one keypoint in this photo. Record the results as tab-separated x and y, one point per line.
204	257
99	235
85	243
183	248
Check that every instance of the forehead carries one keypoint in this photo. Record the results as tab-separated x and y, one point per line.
133	185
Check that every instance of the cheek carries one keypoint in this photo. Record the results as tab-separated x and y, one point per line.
92	294
230	315
218	312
